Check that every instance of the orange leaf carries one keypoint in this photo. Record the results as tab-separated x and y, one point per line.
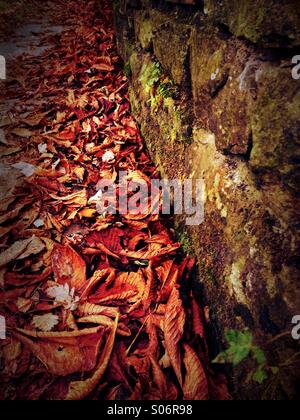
105	321
63	353
78	390
195	385
146	254
174	327
115	296
91	309
151	287
68	266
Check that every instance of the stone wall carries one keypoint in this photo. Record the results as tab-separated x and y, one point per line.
212	89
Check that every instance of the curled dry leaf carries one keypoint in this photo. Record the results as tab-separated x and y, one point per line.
80	389
63	353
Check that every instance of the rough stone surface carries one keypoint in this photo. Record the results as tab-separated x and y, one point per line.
221	105
275	124
236	126
173	36
143	29
270	23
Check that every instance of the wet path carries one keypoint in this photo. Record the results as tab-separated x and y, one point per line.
97	305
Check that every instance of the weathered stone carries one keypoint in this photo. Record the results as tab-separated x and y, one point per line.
143	29
268	22
275	124
220	104
125	33
171	35
163	116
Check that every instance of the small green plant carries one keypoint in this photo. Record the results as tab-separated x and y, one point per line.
166	89
240	346
186	244
151	74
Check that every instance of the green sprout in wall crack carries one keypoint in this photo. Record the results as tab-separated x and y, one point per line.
156	83
166	89
151	74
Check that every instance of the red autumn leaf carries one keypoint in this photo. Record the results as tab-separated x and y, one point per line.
68	266
195	384
149	254
110	238
174	323
167	391
198	326
152	286
78	390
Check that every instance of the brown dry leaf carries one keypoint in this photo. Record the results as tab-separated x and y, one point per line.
11	354
79	172
80	389
159	378
74	128
102	67
91	309
7	151
22	132
198	326
10	179
174	323
113	393
105	321
11	214
97	277
14	251
147	254
64	353
132	280
34	247
167	391
115	296
195	385
68	266
78	198
151	289
34	120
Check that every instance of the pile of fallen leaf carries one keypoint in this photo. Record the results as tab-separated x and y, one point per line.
93	302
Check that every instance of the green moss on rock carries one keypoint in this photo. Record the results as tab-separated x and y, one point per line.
268	22
275	123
